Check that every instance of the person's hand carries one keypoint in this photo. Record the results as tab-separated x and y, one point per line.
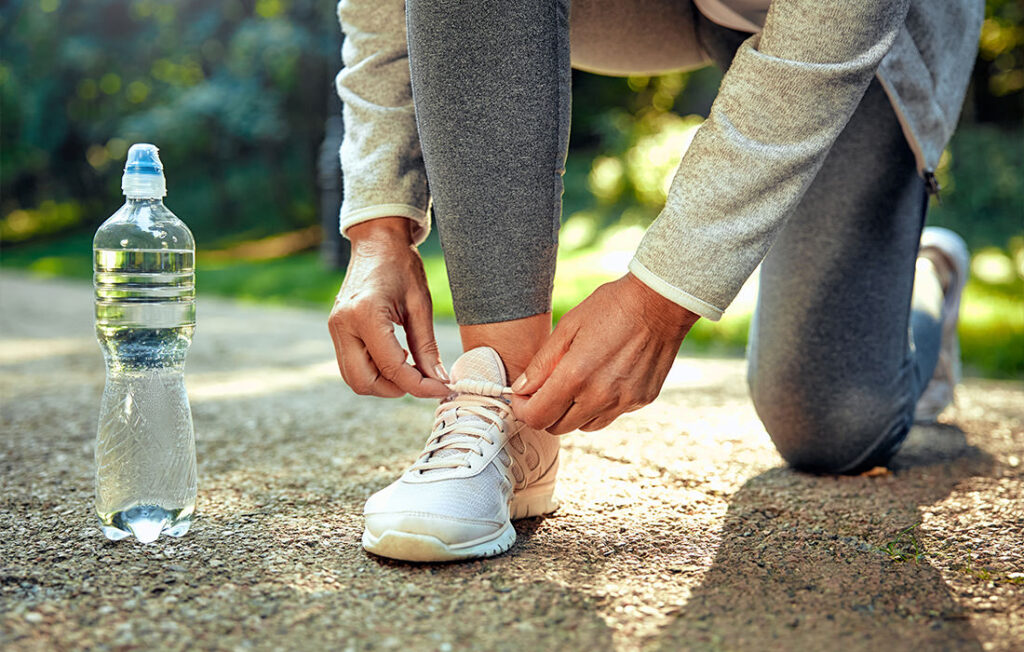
385	285
608	355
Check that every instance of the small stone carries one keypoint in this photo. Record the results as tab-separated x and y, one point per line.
34	618
873	473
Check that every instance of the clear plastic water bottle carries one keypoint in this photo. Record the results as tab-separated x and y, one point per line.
144	275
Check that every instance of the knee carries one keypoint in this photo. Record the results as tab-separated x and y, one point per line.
827	429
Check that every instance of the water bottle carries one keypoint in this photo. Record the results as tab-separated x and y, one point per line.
144	275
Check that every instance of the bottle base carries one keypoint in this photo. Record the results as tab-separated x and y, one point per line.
146	523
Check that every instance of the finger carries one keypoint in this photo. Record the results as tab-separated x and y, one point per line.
419	332
573	419
598	423
347	345
540	414
334	325
545	360
358	370
389	357
548	404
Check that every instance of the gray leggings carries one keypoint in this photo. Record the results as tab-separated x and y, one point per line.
837	359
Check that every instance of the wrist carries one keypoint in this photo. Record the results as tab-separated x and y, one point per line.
661	310
382	230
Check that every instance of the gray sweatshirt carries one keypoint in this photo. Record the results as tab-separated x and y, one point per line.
790	91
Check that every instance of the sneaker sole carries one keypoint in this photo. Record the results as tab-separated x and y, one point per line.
533	501
406	546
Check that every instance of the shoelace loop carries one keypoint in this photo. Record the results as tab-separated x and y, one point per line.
479	387
469	397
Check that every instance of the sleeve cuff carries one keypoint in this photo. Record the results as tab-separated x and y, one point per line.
674	294
418	215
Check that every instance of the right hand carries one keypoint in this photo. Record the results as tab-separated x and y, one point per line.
385	285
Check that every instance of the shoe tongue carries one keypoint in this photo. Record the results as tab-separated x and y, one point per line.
482	363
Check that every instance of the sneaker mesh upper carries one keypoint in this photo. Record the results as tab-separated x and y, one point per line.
477	364
477	497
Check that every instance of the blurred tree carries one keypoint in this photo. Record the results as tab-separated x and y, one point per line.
236	94
232	92
334	250
999	72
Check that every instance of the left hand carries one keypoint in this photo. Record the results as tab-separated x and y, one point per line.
608	355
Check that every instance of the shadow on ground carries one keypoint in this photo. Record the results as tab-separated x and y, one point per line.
795	571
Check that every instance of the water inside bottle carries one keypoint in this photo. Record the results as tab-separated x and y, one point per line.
144	288
145	451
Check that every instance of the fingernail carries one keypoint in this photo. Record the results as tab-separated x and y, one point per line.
519	384
441	373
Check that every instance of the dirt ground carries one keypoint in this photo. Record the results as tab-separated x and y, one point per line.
680	526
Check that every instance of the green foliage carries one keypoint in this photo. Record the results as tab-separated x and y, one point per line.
234	94
628	136
50	217
982	178
1001	50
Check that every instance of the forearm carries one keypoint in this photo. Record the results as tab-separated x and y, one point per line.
788	95
381	161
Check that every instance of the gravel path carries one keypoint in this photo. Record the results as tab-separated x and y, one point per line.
680	527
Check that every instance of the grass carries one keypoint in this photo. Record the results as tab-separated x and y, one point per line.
294	280
905	546
992	325
992	328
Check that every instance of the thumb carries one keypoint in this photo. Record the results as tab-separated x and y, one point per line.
419	333
545	360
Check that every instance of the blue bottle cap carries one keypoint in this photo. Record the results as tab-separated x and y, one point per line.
143	158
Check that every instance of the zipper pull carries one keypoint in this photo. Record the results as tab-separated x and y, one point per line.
932	186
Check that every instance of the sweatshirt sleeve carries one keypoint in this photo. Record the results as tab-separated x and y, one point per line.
787	96
381	160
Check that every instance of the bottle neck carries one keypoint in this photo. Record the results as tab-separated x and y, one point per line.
143	201
143	185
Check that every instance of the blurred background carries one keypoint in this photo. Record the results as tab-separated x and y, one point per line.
239	97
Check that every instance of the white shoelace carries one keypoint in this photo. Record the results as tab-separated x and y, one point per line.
478	398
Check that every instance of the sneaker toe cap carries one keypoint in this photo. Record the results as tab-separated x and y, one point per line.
448	529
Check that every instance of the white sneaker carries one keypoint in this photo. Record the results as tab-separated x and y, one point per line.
939	392
480	469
